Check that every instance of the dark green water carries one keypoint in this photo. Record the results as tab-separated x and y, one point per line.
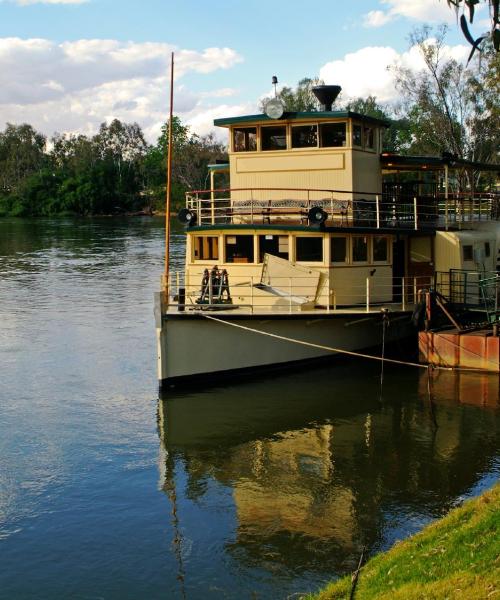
256	490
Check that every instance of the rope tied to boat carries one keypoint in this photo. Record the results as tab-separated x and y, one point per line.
341	350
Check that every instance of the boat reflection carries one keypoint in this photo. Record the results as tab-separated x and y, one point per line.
323	469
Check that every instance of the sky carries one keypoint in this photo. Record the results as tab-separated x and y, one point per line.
68	65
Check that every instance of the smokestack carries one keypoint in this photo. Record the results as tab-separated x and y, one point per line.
326	95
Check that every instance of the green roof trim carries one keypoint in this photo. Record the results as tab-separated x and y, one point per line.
218	167
296	116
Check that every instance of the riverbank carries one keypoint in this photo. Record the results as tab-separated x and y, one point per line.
456	557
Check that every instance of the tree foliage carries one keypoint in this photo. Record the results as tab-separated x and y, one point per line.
114	171
451	108
297	99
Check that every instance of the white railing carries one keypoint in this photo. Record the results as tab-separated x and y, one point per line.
293	294
343	208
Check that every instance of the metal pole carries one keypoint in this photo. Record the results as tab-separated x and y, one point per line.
169	179
415	214
403	293
446	197
367	294
290	292
377	206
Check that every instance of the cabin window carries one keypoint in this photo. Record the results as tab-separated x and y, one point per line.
338	250
277	245
468	252
369	137
359	249
309	249
273	138
245	139
206	248
487	249
357	135
305	136
239	248
380	249
332	135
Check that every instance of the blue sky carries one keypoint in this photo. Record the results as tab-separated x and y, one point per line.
58	73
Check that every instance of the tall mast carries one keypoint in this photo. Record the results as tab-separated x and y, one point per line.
169	179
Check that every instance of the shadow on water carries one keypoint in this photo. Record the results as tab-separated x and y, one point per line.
318	467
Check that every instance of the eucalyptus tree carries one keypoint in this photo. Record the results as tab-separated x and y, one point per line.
451	107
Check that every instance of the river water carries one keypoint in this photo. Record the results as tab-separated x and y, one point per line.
256	490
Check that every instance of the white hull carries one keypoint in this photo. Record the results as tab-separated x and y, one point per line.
192	347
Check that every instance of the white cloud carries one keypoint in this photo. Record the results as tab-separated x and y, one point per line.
366	72
428	11
75	86
376	18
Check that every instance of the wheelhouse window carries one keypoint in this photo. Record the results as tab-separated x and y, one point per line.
245	139
273	138
380	249
206	248
357	135
369	137
309	249
332	135
338	249
277	245
239	248
359	249
305	136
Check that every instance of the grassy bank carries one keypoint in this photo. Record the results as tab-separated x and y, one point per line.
456	557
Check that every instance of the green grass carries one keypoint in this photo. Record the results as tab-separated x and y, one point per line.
456	557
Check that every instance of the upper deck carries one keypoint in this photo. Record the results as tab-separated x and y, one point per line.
285	207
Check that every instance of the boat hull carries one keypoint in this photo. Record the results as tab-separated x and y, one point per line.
194	349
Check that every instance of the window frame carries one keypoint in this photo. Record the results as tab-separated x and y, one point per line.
295	126
368	257
195	259
287	140
233	130
309	262
347	257
341	122
233	262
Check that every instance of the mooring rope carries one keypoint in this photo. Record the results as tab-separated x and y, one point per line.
320	346
342	351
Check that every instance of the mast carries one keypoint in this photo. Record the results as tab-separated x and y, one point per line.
169	182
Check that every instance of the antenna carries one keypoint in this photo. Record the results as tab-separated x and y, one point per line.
274	81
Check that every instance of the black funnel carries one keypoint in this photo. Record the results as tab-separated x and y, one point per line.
326	94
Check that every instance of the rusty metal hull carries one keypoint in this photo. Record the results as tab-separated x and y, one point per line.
473	350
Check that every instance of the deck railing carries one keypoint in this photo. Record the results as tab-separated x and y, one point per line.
294	294
268	206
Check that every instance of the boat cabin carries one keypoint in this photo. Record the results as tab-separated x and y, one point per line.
313	221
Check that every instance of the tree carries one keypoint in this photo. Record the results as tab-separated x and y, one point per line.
21	154
191	156
451	108
299	99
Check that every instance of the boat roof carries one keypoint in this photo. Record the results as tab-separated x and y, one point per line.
396	162
300	116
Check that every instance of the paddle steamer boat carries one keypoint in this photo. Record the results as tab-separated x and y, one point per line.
318	244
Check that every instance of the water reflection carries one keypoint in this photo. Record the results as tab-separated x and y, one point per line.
318	467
